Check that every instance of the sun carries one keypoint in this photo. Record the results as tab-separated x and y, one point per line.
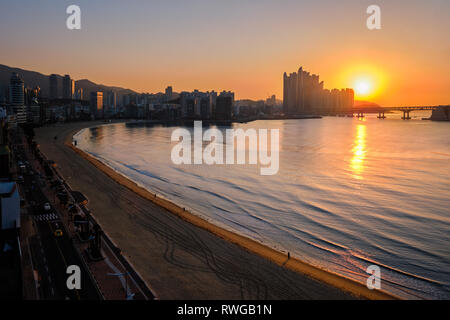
366	85
363	87
368	80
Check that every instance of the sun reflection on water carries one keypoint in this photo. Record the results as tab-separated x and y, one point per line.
359	151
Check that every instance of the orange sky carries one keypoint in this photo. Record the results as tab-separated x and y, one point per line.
238	45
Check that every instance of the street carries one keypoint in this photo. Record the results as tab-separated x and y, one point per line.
51	252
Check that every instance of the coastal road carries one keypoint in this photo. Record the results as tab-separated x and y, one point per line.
178	260
52	255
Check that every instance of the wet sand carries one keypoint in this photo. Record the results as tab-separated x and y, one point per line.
180	255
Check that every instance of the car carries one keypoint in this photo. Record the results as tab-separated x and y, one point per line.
58	233
47	206
20	179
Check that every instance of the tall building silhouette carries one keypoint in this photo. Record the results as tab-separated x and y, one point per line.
110	101
169	92
304	93
96	104
224	105
16	90
53	86
197	104
68	87
207	105
17	98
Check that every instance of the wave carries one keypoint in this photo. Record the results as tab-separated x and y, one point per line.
320	215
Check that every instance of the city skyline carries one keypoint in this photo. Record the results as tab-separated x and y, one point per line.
305	93
238	46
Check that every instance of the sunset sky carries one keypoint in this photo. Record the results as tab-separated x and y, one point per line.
239	45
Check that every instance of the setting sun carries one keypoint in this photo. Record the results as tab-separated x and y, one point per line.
367	85
362	88
368	80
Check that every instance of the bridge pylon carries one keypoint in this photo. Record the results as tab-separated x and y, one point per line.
381	115
406	115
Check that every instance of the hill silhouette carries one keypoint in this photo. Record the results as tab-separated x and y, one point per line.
33	79
365	104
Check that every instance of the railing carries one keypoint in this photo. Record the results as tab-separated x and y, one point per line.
134	275
381	110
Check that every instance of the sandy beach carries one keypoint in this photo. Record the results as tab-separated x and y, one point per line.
180	255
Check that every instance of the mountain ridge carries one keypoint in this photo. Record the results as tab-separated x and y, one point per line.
35	78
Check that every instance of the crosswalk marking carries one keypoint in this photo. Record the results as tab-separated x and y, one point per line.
46	217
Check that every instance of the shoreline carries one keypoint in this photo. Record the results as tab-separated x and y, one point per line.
252	246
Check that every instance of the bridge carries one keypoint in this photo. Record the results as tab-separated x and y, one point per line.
381	110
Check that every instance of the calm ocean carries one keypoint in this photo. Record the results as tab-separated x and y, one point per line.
349	193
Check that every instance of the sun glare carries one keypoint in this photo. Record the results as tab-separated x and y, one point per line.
362	88
368	81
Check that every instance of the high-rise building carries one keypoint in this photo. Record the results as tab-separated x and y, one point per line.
126	100
32	95
17	98
304	93
16	90
224	105
169	92
68	87
53	87
110	102
198	104
96	104
271	101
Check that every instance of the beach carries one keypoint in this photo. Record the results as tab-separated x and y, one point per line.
180	255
